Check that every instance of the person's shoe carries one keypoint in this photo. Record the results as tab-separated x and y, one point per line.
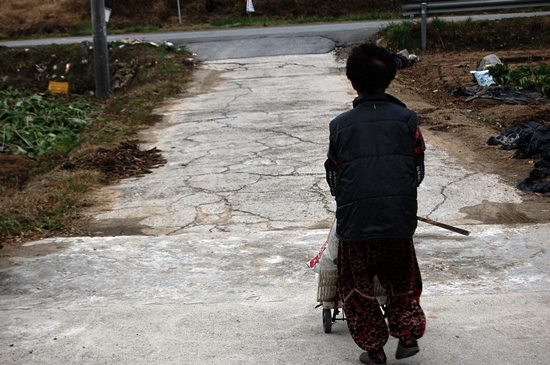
406	347
378	358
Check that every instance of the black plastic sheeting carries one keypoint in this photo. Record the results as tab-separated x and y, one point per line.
531	140
506	94
401	61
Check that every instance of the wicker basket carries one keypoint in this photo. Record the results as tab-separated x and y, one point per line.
327	287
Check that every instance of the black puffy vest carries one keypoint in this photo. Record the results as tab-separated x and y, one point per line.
373	146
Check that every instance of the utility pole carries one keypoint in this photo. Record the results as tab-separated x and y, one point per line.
101	53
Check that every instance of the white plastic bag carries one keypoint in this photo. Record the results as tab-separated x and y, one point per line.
483	78
327	257
489	61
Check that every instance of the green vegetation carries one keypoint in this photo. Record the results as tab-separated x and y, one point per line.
251	21
137	29
56	132
470	35
399	34
523	77
41	126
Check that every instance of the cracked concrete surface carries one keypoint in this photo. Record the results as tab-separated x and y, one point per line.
213	271
242	144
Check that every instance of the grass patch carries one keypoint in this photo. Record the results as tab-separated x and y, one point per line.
83	28
250	21
398	35
135	29
470	35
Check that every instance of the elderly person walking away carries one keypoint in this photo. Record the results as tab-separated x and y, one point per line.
375	164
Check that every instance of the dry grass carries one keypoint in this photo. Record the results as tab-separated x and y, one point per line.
49	203
30	17
26	17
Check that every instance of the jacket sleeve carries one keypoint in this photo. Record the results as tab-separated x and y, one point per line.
331	175
331	164
419	148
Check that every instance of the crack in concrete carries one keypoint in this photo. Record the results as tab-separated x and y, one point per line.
328	200
300	139
445	187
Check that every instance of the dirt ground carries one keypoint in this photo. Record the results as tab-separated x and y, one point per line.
14	168
425	87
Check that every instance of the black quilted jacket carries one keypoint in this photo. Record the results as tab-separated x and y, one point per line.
373	148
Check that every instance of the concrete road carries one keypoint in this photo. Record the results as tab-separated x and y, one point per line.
204	261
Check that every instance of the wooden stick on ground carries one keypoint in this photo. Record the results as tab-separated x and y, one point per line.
446	226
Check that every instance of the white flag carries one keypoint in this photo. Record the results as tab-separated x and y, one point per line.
249	6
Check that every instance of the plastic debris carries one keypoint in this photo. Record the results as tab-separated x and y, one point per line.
537	182
327	257
404	59
483	78
506	94
131	41
489	61
382	42
168	45
531	140
465	91
57	87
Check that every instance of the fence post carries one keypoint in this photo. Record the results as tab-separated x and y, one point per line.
179	11
423	13
101	53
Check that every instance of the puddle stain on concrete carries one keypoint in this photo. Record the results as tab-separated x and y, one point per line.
501	213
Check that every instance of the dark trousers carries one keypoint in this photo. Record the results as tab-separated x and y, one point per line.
394	262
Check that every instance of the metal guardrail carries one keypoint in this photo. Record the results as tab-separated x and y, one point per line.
412	8
423	7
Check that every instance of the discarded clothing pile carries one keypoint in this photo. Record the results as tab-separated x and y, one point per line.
404	59
531	139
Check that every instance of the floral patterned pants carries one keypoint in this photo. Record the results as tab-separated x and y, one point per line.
394	262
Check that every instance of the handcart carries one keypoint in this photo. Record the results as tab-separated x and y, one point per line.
329	299
325	266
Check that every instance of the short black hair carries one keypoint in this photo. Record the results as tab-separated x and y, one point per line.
370	68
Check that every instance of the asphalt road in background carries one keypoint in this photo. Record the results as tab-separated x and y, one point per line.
264	41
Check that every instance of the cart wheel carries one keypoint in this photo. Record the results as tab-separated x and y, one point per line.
327	320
